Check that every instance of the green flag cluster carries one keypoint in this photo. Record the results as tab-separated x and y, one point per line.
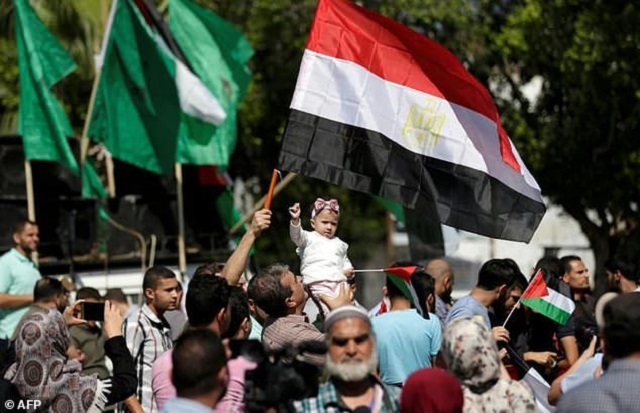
219	54
42	123
42	63
151	110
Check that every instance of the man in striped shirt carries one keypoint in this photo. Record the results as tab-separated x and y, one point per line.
148	334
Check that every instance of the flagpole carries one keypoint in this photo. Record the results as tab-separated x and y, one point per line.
84	140
182	250
376	270
279	187
31	205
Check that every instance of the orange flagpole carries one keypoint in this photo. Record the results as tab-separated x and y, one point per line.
272	187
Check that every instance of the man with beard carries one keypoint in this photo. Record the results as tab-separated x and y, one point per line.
440	269
576	275
351	362
18	276
148	334
48	294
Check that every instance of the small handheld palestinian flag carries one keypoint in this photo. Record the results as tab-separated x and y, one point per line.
544	300
401	278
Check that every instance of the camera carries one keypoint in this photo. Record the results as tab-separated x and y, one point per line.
280	377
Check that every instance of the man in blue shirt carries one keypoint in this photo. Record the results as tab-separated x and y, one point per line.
407	341
18	277
495	278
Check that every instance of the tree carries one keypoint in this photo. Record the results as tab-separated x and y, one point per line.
580	134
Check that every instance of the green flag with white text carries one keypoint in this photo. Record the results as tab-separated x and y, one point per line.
218	53
42	63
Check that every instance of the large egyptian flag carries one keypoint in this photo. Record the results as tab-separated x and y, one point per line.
382	109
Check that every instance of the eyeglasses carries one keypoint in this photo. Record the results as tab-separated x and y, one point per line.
343	341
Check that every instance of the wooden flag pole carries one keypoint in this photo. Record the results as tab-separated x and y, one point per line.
84	140
31	205
279	187
376	270
182	250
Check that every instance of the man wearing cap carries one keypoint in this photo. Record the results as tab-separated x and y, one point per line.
351	362
617	390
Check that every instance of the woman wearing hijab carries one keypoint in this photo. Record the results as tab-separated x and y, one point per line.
43	371
431	390
471	354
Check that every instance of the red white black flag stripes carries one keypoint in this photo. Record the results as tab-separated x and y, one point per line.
382	109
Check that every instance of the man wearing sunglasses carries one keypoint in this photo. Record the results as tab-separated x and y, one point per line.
351	363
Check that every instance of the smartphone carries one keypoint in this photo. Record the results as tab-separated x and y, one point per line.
92	311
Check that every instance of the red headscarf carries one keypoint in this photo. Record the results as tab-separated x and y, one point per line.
431	390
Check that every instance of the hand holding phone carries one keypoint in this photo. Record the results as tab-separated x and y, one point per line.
92	311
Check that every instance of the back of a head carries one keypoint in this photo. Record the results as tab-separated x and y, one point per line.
497	272
206	296
116	295
438	268
198	357
552	267
88	293
425	285
267	291
154	274
239	305
622	325
628	270
47	289
431	390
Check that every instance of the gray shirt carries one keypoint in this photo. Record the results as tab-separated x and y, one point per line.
616	391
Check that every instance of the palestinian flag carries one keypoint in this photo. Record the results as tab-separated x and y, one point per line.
382	109
544	300
401	277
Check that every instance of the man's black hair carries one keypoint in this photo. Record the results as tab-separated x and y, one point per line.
88	293
239	305
154	275
268	293
566	262
497	272
425	285
47	289
622	325
207	295
197	357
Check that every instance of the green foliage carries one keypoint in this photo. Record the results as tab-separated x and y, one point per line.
578	134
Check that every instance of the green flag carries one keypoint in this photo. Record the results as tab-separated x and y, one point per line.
218	53
42	63
145	96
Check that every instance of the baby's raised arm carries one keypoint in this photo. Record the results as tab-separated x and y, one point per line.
294	211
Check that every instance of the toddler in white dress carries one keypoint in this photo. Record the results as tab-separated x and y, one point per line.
324	264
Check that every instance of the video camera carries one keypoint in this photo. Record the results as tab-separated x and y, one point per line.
281	377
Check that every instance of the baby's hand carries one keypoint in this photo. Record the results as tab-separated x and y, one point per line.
294	211
349	273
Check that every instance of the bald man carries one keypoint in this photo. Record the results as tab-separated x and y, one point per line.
440	269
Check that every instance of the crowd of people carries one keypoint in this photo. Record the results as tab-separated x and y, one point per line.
227	344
